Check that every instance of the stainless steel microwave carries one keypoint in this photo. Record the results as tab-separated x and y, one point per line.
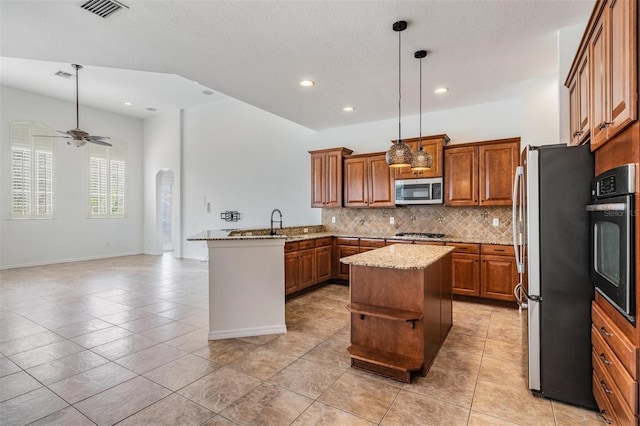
419	191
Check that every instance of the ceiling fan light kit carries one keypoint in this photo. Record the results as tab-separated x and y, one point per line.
422	160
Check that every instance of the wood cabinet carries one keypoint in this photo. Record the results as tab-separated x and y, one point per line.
499	273
368	181
344	247
465	269
323	254
306	263
481	174
579	92
431	144
291	272
326	177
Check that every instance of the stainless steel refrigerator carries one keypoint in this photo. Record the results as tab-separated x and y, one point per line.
551	237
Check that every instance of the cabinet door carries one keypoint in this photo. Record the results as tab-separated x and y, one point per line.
498	164
344	251
381	183
323	263
465	269
333	179
499	276
574	106
405	172
317	180
461	176
598	101
306	268
582	115
622	57
356	192
291	272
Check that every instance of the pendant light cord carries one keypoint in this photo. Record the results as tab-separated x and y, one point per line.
420	140
399	86
77	103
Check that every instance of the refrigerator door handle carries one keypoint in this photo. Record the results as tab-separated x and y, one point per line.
610	207
516	246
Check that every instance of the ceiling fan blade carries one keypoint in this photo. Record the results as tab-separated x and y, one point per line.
98	142
98	137
60	131
50	136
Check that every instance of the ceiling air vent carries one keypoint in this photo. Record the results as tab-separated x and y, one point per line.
103	8
63	74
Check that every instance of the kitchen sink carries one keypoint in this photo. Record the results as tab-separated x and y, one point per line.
419	234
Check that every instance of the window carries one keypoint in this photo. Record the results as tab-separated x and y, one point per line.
107	180
32	178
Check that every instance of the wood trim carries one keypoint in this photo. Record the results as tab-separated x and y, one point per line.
487	142
584	42
345	151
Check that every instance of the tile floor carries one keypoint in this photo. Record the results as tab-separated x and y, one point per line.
124	341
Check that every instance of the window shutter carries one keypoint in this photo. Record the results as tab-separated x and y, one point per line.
107	180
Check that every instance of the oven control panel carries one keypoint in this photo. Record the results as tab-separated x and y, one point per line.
614	182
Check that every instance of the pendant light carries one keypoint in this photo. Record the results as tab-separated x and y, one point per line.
399	155
422	160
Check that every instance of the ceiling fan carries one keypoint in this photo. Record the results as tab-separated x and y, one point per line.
77	136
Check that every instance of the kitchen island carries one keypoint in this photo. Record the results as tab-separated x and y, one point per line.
401	308
246	291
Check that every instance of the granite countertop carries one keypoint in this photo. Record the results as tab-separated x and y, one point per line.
399	256
225	235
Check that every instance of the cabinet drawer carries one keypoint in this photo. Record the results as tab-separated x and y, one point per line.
611	393
465	247
289	247
604	356
611	334
371	243
429	243
497	250
604	405
341	241
321	242
392	242
306	244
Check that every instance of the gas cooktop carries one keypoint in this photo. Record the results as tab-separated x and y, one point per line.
419	234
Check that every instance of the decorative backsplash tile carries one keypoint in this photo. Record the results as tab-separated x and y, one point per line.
468	222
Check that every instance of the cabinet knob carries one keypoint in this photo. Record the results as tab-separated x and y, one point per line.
604	415
604	386
604	359
604	332
605	124
577	133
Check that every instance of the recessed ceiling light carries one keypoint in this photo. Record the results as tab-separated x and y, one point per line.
207	92
441	90
348	109
307	83
127	103
152	109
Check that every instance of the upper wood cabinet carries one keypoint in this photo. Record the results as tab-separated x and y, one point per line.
326	177
480	174
431	144
368	181
605	71
579	92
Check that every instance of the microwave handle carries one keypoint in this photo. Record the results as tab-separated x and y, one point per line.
516	181
611	207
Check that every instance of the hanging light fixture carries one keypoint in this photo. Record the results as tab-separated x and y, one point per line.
399	155
422	160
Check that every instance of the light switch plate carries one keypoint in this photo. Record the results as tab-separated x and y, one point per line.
392	220
496	221
333	219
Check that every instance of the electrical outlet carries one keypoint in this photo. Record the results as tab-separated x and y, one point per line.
333	219
392	220
496	221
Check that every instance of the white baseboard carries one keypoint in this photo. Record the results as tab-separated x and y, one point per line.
247	332
75	259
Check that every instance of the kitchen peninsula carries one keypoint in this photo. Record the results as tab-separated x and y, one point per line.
400	307
246	292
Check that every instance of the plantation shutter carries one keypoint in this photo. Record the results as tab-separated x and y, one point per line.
98	158
43	171
107	180
118	154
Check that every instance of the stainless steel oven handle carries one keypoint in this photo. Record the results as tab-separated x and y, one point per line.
618	207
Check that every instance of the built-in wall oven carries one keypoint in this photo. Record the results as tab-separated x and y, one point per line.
612	215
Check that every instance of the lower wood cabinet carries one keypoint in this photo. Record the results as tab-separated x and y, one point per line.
466	274
323	263
306	263
344	247
306	268
290	272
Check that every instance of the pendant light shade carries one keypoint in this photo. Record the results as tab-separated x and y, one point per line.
399	155
422	160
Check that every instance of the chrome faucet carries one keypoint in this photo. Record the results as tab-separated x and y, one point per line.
272	232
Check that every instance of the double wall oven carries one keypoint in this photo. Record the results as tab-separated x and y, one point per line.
612	215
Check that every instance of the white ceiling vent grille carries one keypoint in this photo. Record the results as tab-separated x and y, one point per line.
63	74
103	8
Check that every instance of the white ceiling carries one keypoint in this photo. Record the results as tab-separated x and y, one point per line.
258	51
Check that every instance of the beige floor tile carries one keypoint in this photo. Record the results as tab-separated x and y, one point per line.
200	320
17	384
123	347
29	342
158	307
68	366
100	337
267	405
125	317
219	389
331	351
505	332
413	409
145	323
219	421
499	349
361	396
80	328
262	363
7	367
470	326
501	371
170	411
295	343
307	378
181	372
225	351
479	419
569	415
180	312
86	384
47	353
150	358
320	414
121	401
447	384
66	417
190	342
168	331
30	407
511	403
260	340
465	343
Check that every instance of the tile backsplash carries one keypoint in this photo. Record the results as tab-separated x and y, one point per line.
469	222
